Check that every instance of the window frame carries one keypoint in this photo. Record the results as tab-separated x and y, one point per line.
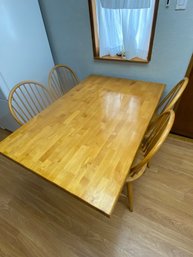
95	39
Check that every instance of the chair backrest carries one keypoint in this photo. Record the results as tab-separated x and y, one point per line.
174	95
27	99
61	79
156	138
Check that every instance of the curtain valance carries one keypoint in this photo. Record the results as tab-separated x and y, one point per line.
125	4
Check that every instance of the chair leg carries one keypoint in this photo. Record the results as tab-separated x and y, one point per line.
130	195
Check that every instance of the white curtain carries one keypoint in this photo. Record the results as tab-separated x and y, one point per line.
125	30
110	30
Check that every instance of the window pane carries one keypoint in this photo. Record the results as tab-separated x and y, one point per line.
124	32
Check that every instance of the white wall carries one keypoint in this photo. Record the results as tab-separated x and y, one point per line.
68	28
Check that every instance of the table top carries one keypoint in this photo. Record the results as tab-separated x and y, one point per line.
86	141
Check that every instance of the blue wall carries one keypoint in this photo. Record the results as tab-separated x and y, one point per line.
68	28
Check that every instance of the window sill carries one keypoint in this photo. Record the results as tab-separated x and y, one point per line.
120	58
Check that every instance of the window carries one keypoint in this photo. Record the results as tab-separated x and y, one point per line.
123	29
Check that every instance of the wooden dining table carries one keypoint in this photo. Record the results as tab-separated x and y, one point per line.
86	141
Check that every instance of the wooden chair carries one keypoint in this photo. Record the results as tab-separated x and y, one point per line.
61	79
27	99
171	99
156	138
167	103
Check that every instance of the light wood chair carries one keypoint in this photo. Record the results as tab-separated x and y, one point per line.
27	99
167	103
156	138
61	79
173	96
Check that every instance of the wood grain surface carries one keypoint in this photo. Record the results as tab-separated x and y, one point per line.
87	140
